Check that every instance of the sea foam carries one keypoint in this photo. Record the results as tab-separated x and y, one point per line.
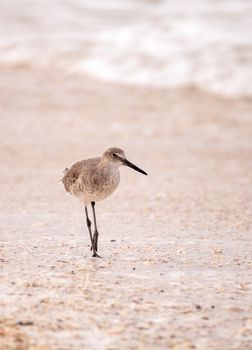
202	43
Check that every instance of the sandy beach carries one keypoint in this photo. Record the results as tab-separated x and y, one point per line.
176	245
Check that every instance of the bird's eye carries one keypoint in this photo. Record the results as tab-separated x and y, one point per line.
114	155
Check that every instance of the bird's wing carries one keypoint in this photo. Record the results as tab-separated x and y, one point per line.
83	169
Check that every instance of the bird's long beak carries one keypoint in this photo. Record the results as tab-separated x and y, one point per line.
129	164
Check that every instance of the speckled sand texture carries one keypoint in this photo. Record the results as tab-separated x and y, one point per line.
176	245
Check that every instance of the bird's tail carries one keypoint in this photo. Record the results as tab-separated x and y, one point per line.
64	172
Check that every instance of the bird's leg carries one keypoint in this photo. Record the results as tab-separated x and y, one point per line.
96	233
90	233
89	227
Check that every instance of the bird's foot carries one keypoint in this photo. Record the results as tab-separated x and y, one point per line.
95	255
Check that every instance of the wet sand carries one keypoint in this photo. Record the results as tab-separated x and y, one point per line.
176	245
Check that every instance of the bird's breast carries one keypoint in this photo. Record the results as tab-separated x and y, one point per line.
101	184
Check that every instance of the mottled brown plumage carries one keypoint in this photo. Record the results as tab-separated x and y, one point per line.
95	179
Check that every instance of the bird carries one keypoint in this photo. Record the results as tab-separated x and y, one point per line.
93	180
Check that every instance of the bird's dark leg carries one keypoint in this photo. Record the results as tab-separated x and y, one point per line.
96	233
90	233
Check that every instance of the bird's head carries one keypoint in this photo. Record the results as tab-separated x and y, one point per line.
117	156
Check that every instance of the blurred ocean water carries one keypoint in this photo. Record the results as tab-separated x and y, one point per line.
202	43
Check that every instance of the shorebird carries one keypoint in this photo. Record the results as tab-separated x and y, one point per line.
95	179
